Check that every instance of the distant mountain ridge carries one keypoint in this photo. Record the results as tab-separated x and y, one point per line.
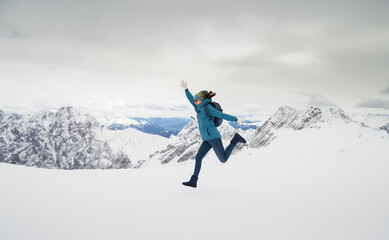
68	139
165	127
159	126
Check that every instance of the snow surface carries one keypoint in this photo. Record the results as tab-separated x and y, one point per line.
317	183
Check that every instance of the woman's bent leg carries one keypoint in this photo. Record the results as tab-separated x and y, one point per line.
203	150
222	154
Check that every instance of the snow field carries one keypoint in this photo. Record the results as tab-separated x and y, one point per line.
327	183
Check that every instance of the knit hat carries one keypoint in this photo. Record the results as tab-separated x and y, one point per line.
201	95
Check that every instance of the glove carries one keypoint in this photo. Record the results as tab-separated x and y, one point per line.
240	120
184	84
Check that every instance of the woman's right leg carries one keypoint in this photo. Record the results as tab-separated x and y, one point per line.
203	150
217	146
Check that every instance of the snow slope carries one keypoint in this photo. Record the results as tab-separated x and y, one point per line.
317	183
134	143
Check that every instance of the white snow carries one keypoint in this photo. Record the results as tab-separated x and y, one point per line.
317	183
118	119
136	144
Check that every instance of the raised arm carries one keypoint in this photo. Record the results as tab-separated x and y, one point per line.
189	95
215	113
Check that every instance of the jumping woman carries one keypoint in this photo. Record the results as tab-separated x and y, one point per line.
208	131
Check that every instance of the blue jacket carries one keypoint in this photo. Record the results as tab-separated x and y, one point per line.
207	127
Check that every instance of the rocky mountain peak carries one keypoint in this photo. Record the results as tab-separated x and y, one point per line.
65	139
288	117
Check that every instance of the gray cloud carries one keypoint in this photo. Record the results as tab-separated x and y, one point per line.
374	103
385	91
317	100
8	31
111	49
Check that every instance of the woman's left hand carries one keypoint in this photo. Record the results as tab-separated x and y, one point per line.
184	84
241	120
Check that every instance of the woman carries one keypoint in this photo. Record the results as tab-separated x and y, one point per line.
208	131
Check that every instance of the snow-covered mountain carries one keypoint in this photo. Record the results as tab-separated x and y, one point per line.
171	124
135	144
147	127
290	118
118	122
65	139
372	120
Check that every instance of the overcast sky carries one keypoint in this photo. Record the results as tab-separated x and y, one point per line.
128	57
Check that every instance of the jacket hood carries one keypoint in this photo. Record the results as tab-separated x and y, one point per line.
208	100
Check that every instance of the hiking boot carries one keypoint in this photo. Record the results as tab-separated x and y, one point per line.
237	138
192	182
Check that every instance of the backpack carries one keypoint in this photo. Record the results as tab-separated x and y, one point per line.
216	120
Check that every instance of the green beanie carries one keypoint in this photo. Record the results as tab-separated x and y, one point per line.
201	95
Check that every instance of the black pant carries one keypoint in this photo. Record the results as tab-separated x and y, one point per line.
217	146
